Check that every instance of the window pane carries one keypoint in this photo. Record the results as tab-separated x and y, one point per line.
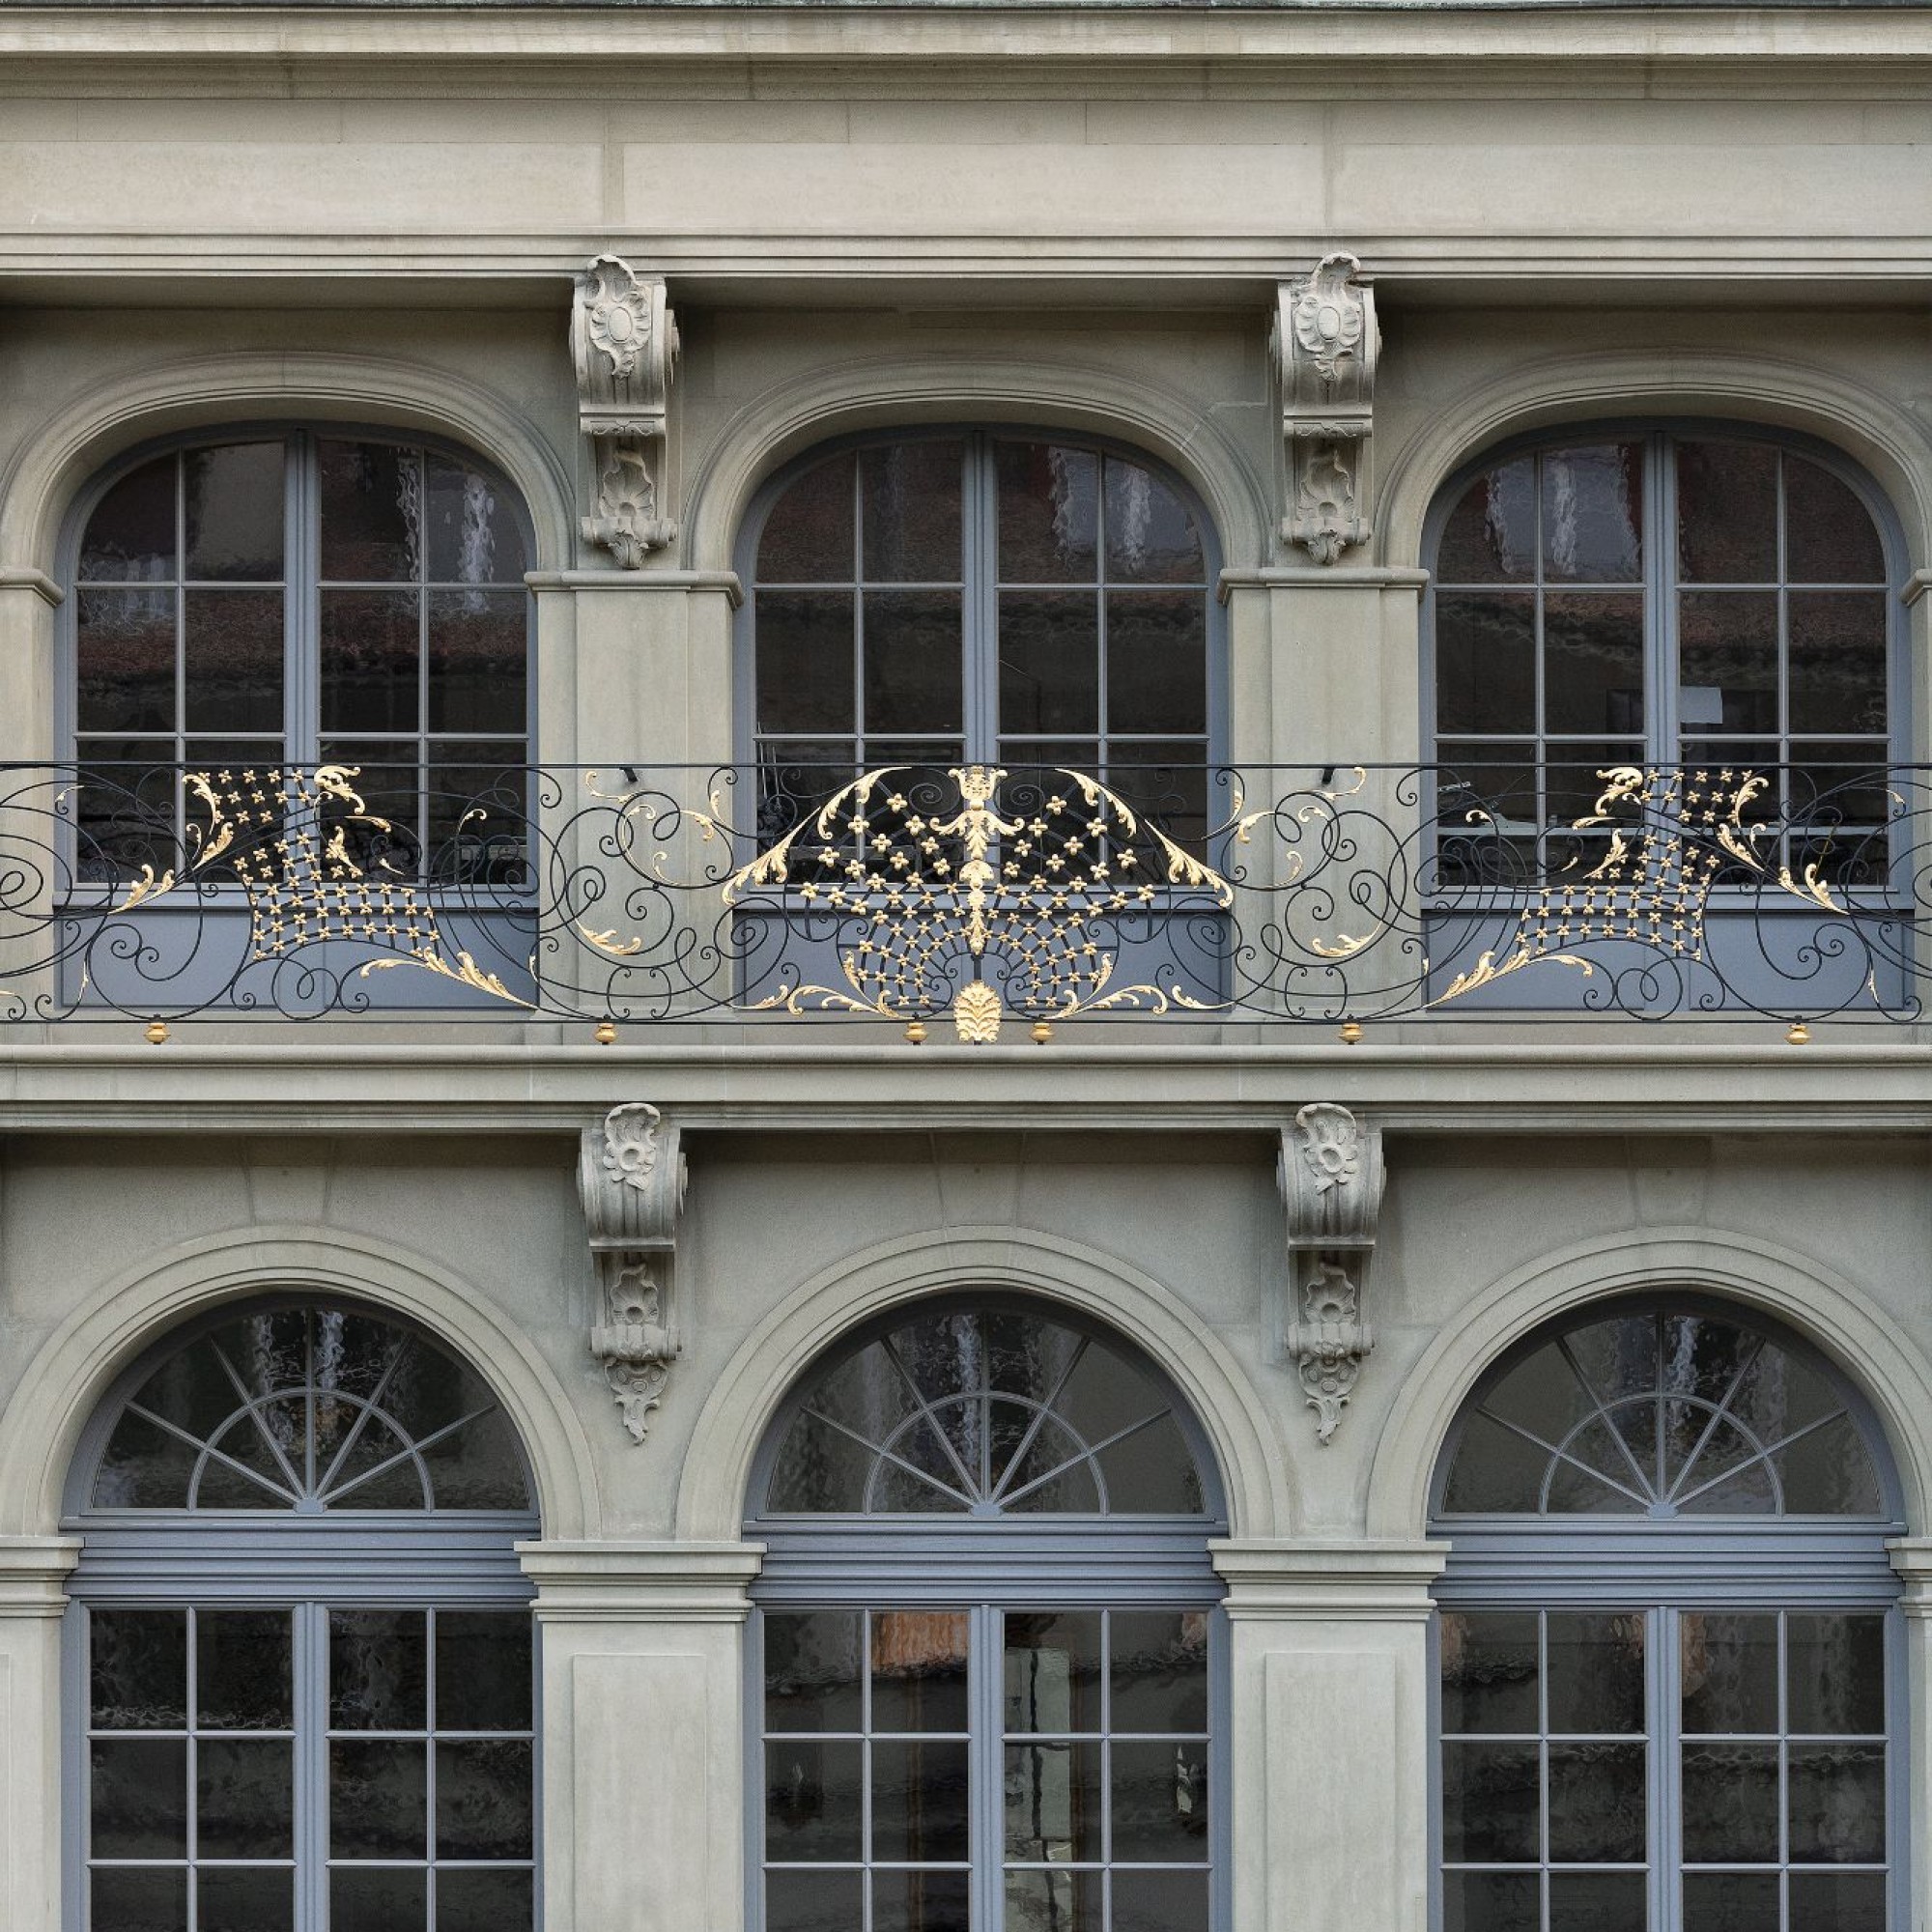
1494	1470
807	536
138	1901
1485	663
485	1901
1152	536
1596	1673
1049	662
1829	534
1157	662
1159	1795
1727	512
243	1670
138	1661
1837	661
1838	1902
808	1901
1730	1902
1061	1902
245	1799
378	1798
1597	1792
1597	1901
1837	1803
913	527
1492	1802
376	1670
1048	513
1727	662
1593	513
482	1670
813	1800
476	1466
1054	1664
1054	1804
144	1467
1491	535
131	536
1592	663
913	677
1837	1681
139	1795
232	511
804	661
922	1901
376	1900
1829	1473
1729	1666
125	661
1492	1902
1158	1675
919	1670
478	649
483	1797
473	532
1158	1901
371	513
1489	1672
232	660
371	654
920	1801
1730	1803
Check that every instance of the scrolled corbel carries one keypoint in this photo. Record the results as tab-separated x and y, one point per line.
631	1177
1324	347
623	339
1331	1179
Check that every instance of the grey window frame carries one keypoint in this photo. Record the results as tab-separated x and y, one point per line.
980	580
1661	1567
273	1559
986	1568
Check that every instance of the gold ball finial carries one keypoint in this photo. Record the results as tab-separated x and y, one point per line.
1351	1033
1042	1033
1800	1034
157	1031
915	1032
606	1032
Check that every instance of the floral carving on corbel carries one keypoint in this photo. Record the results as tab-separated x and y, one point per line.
623	340
631	1177
1324	347
1331	1179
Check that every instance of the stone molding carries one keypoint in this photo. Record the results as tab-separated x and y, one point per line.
623	341
1331	1177
24	576
631	1177
1323	347
1375	1580
688	582
33	1574
641	1582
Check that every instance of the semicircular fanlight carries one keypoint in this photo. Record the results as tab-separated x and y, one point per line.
1663	1414
310	1409
984	1412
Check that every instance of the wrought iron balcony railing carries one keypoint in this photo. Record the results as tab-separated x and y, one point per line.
978	896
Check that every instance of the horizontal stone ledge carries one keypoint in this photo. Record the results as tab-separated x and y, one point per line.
621	1582
725	582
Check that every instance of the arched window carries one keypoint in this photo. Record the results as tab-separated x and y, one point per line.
990	597
1668	1663
1706	598
987	1637
303	1686
292	598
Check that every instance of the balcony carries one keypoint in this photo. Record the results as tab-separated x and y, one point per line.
993	905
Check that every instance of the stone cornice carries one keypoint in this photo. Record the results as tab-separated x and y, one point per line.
641	1582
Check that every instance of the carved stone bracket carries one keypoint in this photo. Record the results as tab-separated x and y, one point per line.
1331	1180
1324	347
631	1178
623	339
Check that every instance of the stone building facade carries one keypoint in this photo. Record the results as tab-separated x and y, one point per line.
1279	1278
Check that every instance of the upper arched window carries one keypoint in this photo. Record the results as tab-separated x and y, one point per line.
1668	1647
988	597
988	1636
300	597
1704	598
303	1688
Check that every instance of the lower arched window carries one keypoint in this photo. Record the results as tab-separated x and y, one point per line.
300	1693
987	1641
1668	1663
